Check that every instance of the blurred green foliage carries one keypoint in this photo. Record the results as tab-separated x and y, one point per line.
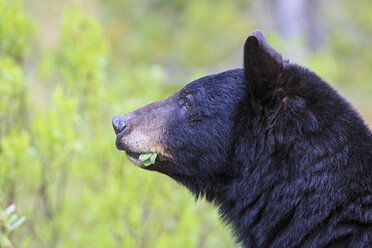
58	161
158	30
16	29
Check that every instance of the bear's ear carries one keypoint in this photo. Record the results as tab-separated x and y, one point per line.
262	66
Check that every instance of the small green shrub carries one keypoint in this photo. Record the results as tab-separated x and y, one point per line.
8	222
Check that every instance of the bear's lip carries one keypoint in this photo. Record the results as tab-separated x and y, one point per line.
134	158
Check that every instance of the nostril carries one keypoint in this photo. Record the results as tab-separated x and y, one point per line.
118	123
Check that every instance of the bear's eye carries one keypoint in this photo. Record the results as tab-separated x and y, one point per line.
187	105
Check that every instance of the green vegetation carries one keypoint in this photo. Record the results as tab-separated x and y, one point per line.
8	222
58	161
148	158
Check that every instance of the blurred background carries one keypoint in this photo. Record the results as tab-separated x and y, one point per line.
67	67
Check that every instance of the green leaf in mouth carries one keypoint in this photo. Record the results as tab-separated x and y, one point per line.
148	158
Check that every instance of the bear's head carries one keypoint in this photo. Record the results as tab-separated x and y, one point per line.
223	126
192	131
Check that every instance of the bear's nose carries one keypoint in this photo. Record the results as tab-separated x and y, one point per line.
119	123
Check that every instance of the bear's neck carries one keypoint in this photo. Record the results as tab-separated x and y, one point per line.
277	202
259	215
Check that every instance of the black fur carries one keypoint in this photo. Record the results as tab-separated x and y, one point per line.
285	158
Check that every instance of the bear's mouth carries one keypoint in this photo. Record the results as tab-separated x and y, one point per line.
134	158
133	154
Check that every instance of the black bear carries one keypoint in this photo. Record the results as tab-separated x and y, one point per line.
286	159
